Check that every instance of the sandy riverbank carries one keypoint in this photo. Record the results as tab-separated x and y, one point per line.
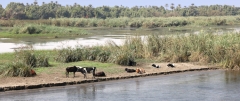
59	79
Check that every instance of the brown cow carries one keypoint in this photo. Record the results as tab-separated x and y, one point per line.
140	70
32	72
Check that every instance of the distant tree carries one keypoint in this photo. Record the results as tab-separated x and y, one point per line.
15	11
192	10
1	10
172	6
55	10
179	7
35	2
166	5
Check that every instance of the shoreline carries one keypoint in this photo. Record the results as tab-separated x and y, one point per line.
99	79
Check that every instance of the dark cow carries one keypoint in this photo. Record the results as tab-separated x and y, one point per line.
130	70
98	74
170	65
71	69
156	66
132	63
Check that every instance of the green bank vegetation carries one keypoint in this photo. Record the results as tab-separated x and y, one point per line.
123	22
81	26
220	49
34	30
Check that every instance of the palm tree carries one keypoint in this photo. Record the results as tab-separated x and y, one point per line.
166	5
179	6
35	2
192	4
172	6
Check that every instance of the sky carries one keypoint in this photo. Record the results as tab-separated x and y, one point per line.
130	3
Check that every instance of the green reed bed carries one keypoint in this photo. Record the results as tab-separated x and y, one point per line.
203	47
150	22
111	53
45	29
35	30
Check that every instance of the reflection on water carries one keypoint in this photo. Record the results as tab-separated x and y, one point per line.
215	85
232	76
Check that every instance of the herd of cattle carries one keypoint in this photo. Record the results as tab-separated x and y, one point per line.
88	70
84	71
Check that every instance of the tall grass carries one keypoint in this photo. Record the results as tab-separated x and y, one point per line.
68	55
28	56
111	53
204	47
150	22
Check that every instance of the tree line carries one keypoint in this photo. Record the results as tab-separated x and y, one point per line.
55	10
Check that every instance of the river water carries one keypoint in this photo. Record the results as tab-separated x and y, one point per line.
213	85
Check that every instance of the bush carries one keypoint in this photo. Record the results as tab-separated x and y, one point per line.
103	56
42	61
121	56
16	69
27	56
69	55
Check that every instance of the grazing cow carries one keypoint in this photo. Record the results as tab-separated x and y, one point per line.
170	65
82	70
156	66
89	69
98	74
85	70
130	70
71	69
140	71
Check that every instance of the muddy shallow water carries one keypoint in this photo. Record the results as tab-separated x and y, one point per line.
213	85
